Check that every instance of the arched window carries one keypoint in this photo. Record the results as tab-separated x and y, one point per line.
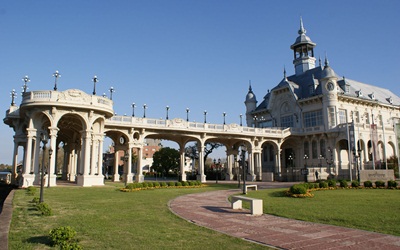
314	149
306	148
322	148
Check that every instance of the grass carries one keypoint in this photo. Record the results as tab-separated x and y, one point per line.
375	210
106	218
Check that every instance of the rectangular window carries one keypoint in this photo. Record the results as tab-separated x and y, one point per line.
287	121
342	116
332	116
313	119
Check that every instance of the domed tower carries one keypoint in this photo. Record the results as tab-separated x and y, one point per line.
303	49
251	104
329	89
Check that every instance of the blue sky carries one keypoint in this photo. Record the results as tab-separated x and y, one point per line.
184	53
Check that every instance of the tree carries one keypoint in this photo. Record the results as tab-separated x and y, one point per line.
166	160
208	148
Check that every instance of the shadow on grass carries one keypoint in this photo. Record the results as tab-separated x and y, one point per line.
221	209
278	194
40	240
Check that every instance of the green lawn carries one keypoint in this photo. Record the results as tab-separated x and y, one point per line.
369	209
105	218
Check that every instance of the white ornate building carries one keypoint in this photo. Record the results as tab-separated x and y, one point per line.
320	107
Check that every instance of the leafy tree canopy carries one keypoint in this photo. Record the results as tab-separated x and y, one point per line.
165	160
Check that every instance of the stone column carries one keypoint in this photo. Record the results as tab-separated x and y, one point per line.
250	175
129	175
14	163
52	177
139	174
36	164
116	161
100	158
201	176
182	163
94	158
28	152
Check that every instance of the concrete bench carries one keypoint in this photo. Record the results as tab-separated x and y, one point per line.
256	205
251	186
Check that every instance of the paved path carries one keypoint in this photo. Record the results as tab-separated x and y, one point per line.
212	210
6	196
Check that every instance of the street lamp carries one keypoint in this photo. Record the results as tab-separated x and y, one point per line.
133	109
216	165
224	114
205	116
44	139
56	76
244	167
330	161
167	108
95	80
13	96
187	114
305	167
48	172
240	119
144	110
25	86
112	90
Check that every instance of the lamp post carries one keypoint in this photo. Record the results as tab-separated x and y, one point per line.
244	167
167	108
240	119
95	80
224	114
359	166
133	109
144	110
255	120
44	140
56	76
290	159
187	114
25	86
48	172
13	96
330	161
205	116
112	90
217	165
305	167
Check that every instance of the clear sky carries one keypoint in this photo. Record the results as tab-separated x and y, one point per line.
188	54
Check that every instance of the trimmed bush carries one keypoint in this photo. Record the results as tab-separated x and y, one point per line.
131	186
379	184
298	189
191	183
171	184
64	238
179	184
31	190
355	183
343	183
150	184
332	183
156	184
368	184
44	209
185	183
323	184
392	184
35	200
144	184
163	184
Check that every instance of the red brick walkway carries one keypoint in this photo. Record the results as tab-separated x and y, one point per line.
212	210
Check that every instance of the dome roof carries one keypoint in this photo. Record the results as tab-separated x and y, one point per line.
302	38
327	73
250	97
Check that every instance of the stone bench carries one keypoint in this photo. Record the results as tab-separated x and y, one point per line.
256	205
251	186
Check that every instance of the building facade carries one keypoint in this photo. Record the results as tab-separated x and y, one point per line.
338	126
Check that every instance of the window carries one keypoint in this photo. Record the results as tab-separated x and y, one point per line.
306	149
314	149
322	148
332	116
342	116
287	121
313	118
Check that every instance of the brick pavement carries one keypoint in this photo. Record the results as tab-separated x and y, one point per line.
212	210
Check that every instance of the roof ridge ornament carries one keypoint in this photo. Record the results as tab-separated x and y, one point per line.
301	30
250	89
284	72
326	60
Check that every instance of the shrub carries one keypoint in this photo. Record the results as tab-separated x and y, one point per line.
313	185
44	208
392	184
368	184
171	184
298	189
179	184
379	184
150	184
332	183
343	183
323	184
35	200
163	184
191	183
185	183
31	190
156	184
355	183
64	238
145	185
131	186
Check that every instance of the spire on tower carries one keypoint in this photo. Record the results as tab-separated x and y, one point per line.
284	71
250	90
301	30
326	60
